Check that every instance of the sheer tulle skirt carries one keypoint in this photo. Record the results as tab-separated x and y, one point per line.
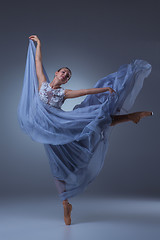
76	141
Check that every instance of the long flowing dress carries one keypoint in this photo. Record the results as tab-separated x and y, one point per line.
76	141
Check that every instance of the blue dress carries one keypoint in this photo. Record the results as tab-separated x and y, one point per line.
76	141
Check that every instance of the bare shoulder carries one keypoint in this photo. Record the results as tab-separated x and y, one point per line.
66	91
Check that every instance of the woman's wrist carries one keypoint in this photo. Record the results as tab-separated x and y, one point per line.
38	42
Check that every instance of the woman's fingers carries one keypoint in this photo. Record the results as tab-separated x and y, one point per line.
111	90
34	38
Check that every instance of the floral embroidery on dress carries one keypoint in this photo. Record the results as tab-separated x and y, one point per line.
53	97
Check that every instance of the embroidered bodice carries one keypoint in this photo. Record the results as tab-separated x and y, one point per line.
53	97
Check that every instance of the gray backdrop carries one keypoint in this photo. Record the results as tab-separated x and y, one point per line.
93	39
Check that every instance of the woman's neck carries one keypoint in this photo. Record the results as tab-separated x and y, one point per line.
55	84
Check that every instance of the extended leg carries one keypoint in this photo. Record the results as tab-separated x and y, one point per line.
134	117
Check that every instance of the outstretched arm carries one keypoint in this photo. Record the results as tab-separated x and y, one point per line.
78	93
38	60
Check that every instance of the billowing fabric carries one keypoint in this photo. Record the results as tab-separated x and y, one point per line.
76	141
53	97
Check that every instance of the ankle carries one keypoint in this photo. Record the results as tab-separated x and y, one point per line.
65	202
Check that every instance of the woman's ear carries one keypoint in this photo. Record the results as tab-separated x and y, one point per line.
56	73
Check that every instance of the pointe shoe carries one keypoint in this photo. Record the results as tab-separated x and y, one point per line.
136	117
67	212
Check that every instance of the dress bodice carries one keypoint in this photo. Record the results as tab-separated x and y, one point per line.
53	97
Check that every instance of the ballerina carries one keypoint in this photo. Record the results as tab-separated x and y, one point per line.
53	95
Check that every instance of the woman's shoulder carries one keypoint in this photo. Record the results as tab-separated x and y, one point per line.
67	90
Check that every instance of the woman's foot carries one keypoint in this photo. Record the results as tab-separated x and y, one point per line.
136	117
67	212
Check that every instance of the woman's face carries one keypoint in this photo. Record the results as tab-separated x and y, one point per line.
63	75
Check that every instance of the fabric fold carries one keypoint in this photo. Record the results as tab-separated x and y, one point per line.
76	141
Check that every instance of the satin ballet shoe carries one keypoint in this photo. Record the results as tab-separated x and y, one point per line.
67	212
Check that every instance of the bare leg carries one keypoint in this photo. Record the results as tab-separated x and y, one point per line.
134	117
66	205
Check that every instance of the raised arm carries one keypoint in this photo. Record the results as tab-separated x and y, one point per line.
78	93
38	60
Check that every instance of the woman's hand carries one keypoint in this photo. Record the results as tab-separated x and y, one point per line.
34	38
110	90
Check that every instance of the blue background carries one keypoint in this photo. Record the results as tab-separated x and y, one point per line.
93	38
